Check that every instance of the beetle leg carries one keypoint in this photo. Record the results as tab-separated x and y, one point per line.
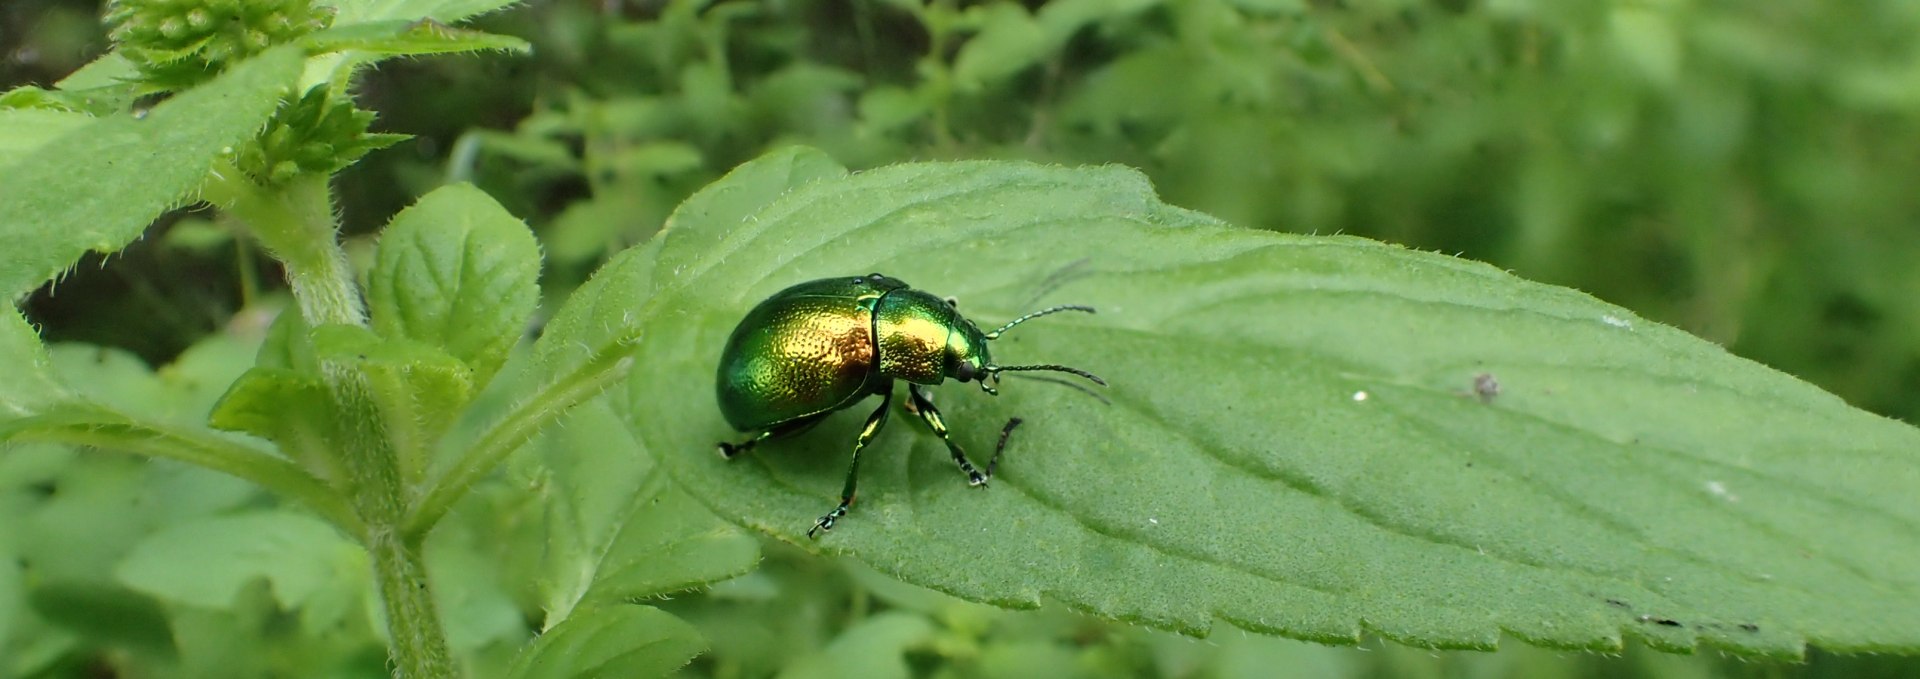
731	450
923	406
874	422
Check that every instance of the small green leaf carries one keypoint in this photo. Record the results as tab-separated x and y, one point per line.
207	561
875	648
610	641
408	38
456	271
106	614
889	108
419	389
288	345
147	164
1298	439
1009	42
291	409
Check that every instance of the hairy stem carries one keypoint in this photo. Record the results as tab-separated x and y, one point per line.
419	642
296	223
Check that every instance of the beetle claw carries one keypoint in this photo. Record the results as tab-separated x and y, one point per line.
823	525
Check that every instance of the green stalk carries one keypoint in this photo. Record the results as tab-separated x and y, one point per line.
418	642
296	223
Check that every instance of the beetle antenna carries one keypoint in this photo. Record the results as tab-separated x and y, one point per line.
1049	310
995	370
1076	386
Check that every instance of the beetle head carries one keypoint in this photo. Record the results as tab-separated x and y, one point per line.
983	367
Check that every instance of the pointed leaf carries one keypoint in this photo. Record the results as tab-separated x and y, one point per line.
100	185
291	409
1306	436
408	38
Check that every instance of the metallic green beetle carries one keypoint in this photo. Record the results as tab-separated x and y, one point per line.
822	345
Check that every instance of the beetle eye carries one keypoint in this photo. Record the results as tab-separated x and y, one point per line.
963	371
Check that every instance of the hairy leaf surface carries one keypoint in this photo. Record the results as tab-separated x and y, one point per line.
98	186
1306	436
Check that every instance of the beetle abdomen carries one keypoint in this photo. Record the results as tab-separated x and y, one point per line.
796	355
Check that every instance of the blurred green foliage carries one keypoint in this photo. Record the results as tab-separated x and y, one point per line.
1741	170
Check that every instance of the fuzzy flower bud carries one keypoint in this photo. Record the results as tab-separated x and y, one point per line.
177	44
317	134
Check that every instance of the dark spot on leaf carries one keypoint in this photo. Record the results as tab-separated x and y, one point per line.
1663	622
1485	387
1750	627
1617	602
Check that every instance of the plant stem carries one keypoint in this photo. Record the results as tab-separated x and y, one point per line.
296	223
418	642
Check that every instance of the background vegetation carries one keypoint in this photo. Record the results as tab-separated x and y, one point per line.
1743	172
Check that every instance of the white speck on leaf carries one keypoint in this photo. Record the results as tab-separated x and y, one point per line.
1719	490
1359	396
1616	321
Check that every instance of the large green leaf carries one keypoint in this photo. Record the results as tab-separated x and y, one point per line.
1294	442
100	185
23	131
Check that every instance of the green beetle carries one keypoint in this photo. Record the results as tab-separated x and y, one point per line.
822	345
